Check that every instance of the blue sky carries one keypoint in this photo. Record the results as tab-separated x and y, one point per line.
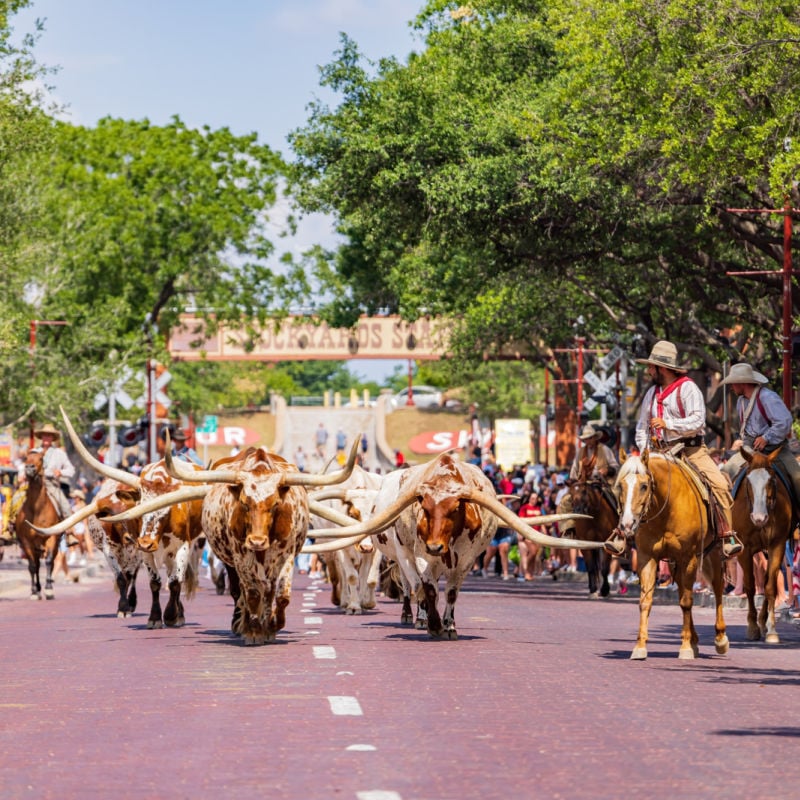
249	65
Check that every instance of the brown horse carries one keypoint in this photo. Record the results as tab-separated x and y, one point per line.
762	516
661	505
38	509
589	497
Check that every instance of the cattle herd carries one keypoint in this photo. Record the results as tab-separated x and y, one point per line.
256	511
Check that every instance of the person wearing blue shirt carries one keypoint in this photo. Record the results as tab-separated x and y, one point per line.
765	424
183	451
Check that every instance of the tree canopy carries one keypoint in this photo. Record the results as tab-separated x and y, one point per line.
540	167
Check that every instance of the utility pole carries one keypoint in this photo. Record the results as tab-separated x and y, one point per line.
787	274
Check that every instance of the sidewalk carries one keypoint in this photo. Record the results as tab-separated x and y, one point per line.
15	581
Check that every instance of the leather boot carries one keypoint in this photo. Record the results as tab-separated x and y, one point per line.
731	545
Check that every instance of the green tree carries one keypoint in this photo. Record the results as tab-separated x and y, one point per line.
537	164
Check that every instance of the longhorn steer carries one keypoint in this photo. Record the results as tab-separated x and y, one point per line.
442	516
353	570
255	516
166	535
116	540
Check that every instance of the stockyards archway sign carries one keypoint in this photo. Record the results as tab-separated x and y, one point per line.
303	339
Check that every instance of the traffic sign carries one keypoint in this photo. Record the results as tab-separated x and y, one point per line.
609	360
209	424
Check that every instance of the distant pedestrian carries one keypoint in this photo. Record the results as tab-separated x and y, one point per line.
320	440
341	439
300	458
364	443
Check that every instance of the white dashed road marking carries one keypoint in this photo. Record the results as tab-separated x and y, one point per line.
378	794
362	747
341	705
313	620
324	651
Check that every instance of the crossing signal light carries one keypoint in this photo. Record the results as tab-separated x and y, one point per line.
129	435
96	437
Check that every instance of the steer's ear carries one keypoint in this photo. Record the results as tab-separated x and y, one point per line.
472	517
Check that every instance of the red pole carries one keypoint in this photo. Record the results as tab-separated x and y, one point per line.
546	421
410	398
580	341
787	303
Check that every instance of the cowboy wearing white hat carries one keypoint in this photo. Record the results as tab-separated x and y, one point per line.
673	412
765	424
58	469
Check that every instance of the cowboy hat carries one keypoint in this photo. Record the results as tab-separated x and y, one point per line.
744	373
663	354
179	436
45	429
589	432
77	494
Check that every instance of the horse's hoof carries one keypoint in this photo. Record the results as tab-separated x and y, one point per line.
35	596
772	638
49	594
594	595
420	625
753	634
686	654
155	624
405	619
722	645
639	654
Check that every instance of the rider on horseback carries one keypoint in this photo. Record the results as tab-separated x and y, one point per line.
594	451
765	423
673	412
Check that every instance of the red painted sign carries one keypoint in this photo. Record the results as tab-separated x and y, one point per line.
437	441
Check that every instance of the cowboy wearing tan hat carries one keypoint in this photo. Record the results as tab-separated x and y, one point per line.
58	469
765	424
673	412
605	466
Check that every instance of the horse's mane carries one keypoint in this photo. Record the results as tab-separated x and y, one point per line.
632	466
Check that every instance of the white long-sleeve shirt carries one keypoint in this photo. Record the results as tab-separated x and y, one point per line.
692	422
56	459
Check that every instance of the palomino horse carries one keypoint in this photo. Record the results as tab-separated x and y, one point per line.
589	497
661	505
762	516
37	510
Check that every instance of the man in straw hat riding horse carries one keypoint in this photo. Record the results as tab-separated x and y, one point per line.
673	412
765	423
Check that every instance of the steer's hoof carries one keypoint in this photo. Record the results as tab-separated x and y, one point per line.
154	624
639	654
420	625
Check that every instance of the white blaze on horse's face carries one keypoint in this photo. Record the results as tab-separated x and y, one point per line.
634	490
759	483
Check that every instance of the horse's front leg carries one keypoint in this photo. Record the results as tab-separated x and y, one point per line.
749	584
51	548
714	558
647	583
684	577
767	617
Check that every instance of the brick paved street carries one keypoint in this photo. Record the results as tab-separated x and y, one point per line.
537	698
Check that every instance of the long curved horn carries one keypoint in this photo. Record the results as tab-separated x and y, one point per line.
183	470
326	512
67	523
513	521
182	495
328	494
311	479
383	519
110	472
331	547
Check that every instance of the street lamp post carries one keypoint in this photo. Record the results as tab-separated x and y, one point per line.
410	398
